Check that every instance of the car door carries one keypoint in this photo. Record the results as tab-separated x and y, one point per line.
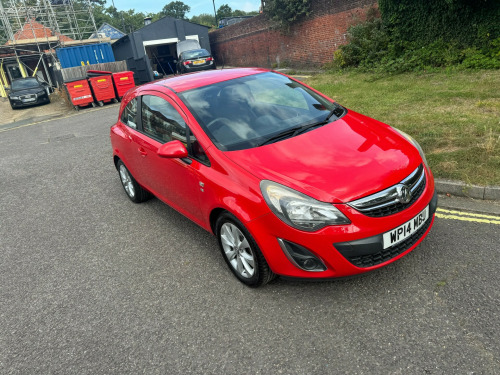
175	181
127	132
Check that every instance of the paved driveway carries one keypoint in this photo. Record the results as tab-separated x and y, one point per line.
94	284
58	106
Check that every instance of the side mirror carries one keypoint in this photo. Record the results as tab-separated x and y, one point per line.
173	149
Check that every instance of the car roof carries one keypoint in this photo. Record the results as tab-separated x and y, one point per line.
190	81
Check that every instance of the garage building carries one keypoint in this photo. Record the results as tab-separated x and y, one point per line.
153	47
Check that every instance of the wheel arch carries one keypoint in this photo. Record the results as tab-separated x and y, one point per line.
214	214
116	159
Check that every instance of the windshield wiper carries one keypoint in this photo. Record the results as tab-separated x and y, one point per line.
303	128
306	127
283	134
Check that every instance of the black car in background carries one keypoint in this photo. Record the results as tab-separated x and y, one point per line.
195	60
28	91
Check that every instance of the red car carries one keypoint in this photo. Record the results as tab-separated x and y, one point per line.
289	181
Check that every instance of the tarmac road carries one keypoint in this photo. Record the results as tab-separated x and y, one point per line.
94	284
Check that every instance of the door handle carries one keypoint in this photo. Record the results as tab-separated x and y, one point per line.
142	151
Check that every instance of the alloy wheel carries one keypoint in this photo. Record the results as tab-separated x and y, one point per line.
127	181
237	250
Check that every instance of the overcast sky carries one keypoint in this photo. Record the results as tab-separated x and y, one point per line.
197	6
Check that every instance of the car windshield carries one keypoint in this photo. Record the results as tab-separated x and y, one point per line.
25	84
259	109
196	53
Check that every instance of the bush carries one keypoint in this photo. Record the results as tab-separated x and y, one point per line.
367	43
486	58
466	22
371	46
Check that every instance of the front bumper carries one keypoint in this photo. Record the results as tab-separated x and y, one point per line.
41	98
369	252
345	250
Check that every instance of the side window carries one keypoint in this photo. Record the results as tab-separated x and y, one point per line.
161	121
129	114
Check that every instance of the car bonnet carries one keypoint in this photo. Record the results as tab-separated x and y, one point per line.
350	158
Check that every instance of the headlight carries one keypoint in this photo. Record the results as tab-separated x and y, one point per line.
14	97
299	210
415	143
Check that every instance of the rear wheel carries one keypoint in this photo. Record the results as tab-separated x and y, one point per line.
134	191
100	103
241	252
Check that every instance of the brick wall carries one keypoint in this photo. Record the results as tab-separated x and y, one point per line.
311	42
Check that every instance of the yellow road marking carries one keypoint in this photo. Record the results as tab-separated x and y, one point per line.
467	216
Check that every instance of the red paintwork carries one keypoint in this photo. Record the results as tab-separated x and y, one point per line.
79	92
103	88
318	163
339	162
173	149
205	78
123	81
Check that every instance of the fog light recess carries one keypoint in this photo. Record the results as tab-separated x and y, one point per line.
301	257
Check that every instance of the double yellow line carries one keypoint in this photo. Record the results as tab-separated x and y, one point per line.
467	216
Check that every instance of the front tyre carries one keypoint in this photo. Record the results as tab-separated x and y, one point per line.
241	252
134	191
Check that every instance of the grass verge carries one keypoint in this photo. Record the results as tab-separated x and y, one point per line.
455	116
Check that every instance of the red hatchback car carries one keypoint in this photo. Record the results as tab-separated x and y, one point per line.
289	181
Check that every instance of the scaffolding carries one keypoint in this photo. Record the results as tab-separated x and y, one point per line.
71	18
36	28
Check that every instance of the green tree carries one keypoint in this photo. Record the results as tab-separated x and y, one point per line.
128	19
286	12
175	9
224	11
204	19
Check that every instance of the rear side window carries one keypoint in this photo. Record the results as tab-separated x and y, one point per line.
129	114
161	121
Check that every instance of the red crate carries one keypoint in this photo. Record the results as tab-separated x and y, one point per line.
124	81
103	89
79	93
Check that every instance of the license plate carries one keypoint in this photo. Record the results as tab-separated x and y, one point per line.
29	100
405	230
198	62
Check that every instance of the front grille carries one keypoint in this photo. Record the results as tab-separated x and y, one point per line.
386	202
30	96
397	207
370	260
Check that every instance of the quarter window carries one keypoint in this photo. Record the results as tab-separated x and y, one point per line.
129	114
196	151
